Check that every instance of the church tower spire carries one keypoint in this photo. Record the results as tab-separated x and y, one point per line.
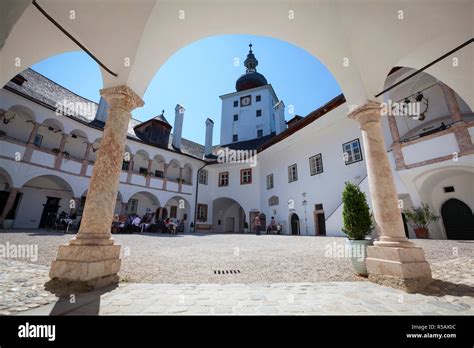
251	62
251	78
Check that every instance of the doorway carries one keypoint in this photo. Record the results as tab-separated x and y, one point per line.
50	211
295	224
319	220
229	224
457	219
320	224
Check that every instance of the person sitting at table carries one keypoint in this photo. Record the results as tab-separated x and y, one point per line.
171	226
136	223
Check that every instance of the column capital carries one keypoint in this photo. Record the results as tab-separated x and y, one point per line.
122	97
367	113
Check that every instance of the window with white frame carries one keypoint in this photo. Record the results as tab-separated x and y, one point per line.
292	173
246	176
224	179
269	181
352	152
316	164
203	176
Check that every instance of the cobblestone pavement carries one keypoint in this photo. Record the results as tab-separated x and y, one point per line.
451	293
22	286
325	298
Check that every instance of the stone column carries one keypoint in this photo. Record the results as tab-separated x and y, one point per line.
92	260
148	177
9	204
29	143
165	175
460	130
59	156
396	146
180	181
85	160
393	260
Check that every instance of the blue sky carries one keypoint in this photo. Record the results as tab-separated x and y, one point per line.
196	75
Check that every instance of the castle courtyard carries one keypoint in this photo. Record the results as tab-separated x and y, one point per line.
233	274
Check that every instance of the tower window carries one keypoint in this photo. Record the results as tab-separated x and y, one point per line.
236	103
258	98
259	133
448	189
236	117
235	137
259	112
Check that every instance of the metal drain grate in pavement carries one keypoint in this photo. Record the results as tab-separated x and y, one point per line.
227	271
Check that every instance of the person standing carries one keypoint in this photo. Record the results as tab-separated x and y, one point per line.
272	226
257	224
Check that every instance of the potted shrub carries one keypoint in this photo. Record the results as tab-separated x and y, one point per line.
420	218
357	225
246	227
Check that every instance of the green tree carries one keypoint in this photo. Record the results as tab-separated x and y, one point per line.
356	217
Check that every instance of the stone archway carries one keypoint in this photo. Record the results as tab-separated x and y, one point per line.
43	199
457	219
228	216
146	28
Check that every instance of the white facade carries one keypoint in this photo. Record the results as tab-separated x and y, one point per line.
433	163
248	124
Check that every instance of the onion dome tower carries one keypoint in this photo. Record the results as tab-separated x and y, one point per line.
251	78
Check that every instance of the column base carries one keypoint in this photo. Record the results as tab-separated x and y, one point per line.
64	287
82	268
401	268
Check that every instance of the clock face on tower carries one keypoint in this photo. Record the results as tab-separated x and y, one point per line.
245	101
